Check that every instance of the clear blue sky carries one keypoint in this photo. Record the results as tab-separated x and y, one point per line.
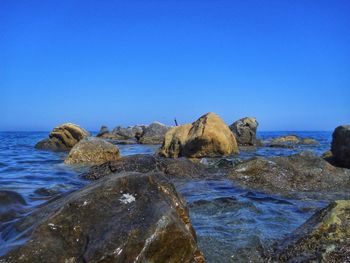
287	62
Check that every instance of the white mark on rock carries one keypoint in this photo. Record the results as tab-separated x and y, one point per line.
118	251
52	226
127	198
243	169
85	203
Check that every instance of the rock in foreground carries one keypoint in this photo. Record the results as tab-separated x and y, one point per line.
341	146
127	218
303	172
325	237
245	131
209	136
63	138
92	151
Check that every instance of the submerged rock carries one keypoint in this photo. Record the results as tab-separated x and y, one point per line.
143	163
341	146
209	136
245	131
127	218
303	172
154	133
92	151
63	138
325	237
11	205
291	141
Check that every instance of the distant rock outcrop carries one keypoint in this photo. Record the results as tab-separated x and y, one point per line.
63	138
341	146
92	150
245	131
154	133
291	141
103	131
209	136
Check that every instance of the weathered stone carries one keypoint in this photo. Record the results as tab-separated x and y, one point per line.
209	136
291	141
245	131
144	163
103	131
303	172
154	133
325	237
128	133
341	146
63	138
11	204
92	150
127	218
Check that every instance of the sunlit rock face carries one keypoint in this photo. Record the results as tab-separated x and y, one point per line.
209	136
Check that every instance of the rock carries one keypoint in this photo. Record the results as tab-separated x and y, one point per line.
286	139
209	136
154	133
92	150
291	141
129	132
144	163
63	138
127	218
303	172
11	205
103	131
341	146
245	131
309	141
325	237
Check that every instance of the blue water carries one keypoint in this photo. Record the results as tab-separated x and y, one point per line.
230	222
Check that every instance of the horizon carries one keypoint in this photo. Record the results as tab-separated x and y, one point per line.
122	63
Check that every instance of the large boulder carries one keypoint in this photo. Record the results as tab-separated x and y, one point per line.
209	136
245	131
144	163
325	237
341	146
303	172
154	133
127	218
92	150
63	138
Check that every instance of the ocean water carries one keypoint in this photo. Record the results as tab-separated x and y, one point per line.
232	224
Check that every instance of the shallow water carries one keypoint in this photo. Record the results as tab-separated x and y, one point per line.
228	220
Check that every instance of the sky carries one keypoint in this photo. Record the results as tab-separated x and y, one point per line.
104	62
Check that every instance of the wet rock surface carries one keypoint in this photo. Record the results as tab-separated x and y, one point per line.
245	131
92	150
127	218
154	133
341	146
325	237
303	172
209	136
63	138
11	205
143	163
291	141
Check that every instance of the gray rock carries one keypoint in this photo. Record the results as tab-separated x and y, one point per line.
245	131
103	131
154	133
341	146
127	218
92	150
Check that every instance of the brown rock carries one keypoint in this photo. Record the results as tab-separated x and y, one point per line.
209	136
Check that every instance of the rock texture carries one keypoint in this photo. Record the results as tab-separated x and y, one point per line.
325	237
291	141
154	133
303	172
341	146
245	131
209	136
92	151
133	132
63	138
143	163
126	218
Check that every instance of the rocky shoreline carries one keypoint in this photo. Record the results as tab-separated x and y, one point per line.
132	211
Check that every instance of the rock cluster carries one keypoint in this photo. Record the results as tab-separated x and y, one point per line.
290	141
245	131
208	136
63	138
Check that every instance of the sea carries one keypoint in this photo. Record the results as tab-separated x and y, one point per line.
232	223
